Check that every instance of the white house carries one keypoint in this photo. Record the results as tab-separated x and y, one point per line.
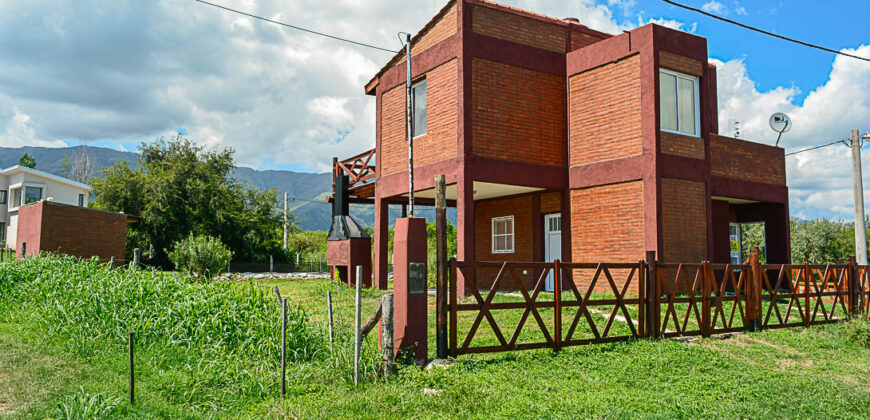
21	185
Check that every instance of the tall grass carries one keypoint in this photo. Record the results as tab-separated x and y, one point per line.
225	336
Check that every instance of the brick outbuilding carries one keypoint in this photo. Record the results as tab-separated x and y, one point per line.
559	141
46	226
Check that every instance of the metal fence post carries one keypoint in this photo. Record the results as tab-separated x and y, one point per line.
283	347
329	309
132	374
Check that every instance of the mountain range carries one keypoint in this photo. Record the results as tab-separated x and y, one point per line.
307	190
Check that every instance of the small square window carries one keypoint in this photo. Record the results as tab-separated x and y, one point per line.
503	235
32	194
418	104
81	200
678	103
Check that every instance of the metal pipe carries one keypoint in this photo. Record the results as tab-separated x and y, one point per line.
283	347
410	111
358	341
132	374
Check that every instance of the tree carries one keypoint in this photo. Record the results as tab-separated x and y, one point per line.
27	161
182	189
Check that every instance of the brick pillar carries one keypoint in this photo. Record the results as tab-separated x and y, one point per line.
409	291
382	237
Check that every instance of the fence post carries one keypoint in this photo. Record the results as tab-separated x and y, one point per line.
329	309
706	285
271	264
387	335
357	341
854	284
557	308
753	293
452	308
132	375
137	255
283	347
807	277
441	262
652	296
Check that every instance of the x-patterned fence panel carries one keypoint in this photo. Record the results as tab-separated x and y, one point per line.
511	307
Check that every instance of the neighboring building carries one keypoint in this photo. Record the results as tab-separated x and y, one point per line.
49	226
20	186
558	141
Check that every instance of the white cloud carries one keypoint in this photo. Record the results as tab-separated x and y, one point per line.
669	23
820	181
714	7
18	132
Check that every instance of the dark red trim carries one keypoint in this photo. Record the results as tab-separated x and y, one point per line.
599	54
610	172
516	54
424	178
516	173
732	188
680	167
421	63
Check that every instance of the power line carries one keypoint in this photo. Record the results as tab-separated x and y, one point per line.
752	28
817	147
362	44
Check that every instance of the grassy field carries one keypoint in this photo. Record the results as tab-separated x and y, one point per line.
52	369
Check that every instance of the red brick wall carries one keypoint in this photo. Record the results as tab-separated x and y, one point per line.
680	63
746	161
29	229
520	207
607	225
440	141
581	39
605	113
551	202
518	114
684	221
680	145
79	231
520	29
441	30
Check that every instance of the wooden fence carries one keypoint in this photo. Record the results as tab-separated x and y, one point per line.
606	302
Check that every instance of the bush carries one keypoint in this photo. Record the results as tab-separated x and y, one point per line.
200	255
82	405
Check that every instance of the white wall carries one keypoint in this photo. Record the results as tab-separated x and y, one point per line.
58	192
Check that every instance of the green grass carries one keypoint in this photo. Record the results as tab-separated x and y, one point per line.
47	370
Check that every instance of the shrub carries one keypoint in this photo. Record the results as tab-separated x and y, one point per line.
200	255
82	405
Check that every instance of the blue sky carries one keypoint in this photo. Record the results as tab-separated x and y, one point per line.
117	73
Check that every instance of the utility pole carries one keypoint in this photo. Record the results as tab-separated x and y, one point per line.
286	230
410	110
858	191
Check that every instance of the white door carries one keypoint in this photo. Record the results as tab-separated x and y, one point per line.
552	243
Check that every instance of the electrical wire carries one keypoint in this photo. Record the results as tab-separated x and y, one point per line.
362	44
818	147
752	28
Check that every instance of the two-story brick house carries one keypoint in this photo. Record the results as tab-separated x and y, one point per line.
558	141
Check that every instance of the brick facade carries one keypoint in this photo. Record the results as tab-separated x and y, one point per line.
71	230
522	101
684	220
518	114
680	145
524	30
439	142
680	63
735	159
605	113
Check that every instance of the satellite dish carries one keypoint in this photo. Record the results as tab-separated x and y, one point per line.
780	123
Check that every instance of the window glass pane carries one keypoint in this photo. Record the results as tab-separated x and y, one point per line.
499	227
509	226
418	97
16	197
32	195
2	198
687	106
500	243
668	101
509	243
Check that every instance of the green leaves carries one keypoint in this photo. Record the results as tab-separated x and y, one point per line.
202	256
180	189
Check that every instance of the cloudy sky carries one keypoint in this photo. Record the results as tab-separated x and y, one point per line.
114	73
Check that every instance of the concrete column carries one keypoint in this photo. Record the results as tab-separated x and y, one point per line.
382	237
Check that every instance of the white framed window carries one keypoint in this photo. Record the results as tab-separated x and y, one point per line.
16	197
3	197
418	104
679	103
81	200
503	235
32	195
